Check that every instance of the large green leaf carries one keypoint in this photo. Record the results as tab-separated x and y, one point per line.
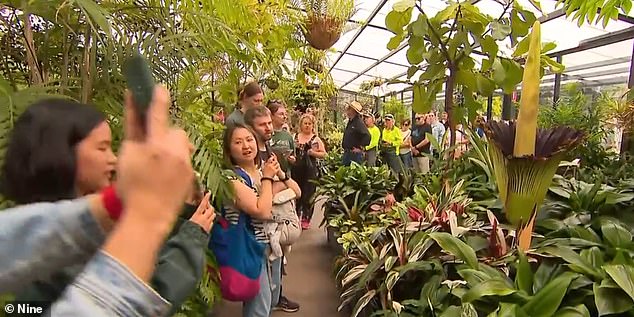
456	247
509	310
577	263
499	31
420	26
611	300
403	5
546	302
623	275
616	235
419	103
576	311
395	21
524	275
395	41
484	85
492	287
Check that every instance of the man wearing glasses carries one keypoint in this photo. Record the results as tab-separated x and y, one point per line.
438	131
420	143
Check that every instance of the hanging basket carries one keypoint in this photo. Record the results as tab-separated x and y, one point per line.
322	32
271	83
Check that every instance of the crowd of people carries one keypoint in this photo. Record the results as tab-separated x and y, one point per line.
101	235
408	147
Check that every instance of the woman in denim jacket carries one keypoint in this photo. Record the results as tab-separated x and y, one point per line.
59	150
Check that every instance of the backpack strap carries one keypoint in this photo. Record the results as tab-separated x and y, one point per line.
247	179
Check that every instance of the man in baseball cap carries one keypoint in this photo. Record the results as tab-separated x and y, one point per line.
356	136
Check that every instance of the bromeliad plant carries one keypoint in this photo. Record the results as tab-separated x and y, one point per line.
525	158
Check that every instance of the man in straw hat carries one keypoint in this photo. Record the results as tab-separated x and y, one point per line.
356	136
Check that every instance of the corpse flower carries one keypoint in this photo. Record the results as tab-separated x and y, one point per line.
524	157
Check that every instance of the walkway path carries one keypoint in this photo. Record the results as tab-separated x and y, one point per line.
310	279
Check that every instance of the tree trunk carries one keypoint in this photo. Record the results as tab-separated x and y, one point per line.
449	89
86	82
31	56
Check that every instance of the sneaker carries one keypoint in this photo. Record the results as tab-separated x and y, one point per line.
286	305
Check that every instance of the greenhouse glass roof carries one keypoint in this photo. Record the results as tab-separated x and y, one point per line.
361	54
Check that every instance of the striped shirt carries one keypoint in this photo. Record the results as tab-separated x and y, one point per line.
232	213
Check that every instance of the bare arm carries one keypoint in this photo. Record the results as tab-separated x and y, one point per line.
319	151
280	185
258	207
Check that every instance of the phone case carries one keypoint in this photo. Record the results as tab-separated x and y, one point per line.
140	82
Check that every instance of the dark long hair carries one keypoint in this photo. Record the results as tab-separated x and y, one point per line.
40	163
226	144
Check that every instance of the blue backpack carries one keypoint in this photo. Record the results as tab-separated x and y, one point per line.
238	254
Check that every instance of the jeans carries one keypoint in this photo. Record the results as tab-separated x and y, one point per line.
394	161
349	157
407	160
370	157
270	288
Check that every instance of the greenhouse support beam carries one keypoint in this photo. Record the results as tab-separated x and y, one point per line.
557	88
626	138
376	59
598	41
630	81
359	31
388	55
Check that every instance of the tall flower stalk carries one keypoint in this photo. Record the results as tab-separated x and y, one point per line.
525	158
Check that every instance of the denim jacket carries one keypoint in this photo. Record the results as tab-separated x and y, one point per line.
179	269
105	288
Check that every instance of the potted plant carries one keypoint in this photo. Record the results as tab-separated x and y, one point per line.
325	20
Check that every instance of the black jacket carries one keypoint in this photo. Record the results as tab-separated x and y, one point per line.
356	134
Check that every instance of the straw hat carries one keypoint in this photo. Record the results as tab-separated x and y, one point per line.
355	105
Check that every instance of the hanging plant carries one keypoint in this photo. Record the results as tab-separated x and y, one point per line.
325	20
272	83
368	85
313	61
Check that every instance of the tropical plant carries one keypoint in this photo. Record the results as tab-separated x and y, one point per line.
397	108
590	116
525	158
442	47
578	199
352	190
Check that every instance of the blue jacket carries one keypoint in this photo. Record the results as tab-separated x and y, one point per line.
54	235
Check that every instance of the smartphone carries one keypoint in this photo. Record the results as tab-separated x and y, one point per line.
140	82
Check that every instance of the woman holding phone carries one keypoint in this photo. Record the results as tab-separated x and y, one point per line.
309	149
60	149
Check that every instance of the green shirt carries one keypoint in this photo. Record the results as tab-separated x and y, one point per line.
282	144
375	136
394	138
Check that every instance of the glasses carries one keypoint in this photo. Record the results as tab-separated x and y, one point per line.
278	101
